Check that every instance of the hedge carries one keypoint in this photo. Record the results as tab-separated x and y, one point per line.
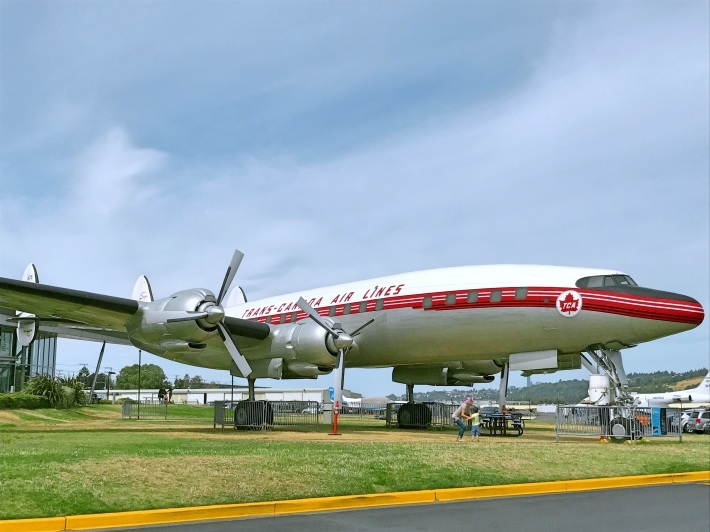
22	400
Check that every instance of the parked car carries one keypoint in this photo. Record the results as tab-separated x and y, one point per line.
313	409
692	417
684	417
701	423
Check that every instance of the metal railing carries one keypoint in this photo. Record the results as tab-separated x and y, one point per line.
419	415
617	423
145	409
262	415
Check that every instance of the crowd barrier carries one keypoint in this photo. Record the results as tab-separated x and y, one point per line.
617	423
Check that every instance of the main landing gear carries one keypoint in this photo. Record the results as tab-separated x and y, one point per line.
413	415
621	425
252	414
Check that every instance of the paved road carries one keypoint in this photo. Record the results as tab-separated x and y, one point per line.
670	507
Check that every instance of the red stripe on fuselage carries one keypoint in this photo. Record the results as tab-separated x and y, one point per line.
540	297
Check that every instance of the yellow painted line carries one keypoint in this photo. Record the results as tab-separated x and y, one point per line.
168	515
233	511
506	490
354	501
34	525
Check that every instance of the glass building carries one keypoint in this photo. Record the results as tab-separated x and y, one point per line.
18	364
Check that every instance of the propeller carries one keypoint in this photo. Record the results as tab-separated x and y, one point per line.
341	340
214	314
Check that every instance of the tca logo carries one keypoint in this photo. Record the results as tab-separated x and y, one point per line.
569	303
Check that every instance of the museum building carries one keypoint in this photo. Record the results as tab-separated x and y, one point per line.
19	364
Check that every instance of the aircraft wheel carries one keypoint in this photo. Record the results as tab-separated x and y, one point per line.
623	429
253	414
413	416
618	430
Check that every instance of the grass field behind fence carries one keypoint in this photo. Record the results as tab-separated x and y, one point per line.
89	460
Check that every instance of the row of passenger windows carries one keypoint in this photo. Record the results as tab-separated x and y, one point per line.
472	297
348	308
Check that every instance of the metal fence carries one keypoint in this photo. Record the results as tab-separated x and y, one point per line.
145	409
419	415
262	415
616	423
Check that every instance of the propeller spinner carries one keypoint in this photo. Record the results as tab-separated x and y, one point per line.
213	314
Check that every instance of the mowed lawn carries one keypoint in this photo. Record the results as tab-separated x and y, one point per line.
91	461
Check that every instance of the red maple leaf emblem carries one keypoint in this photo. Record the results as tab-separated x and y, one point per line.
569	303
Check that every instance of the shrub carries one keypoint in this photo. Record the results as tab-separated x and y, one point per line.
76	393
60	392
45	386
22	400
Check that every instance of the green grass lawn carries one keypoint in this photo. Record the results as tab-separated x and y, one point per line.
89	460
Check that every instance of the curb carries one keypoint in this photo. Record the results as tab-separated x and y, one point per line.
345	502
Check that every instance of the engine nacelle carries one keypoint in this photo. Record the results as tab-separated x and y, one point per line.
304	342
151	326
437	376
300	370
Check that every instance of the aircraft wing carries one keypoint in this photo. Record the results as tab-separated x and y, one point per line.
66	306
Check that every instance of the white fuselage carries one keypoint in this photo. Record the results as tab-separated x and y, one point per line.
698	395
468	314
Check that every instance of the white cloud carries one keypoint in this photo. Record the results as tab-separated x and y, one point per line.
111	174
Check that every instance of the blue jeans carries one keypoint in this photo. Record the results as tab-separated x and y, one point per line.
462	427
475	430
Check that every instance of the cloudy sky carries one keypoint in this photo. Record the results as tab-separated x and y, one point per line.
337	141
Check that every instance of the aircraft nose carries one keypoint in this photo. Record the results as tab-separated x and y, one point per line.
677	308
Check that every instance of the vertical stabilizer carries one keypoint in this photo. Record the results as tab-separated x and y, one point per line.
142	290
30	274
27	325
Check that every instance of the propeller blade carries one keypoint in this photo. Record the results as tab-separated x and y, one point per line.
238	358
359	329
339	379
187	315
229	276
305	307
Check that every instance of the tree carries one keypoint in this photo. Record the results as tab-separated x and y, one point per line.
152	376
84	377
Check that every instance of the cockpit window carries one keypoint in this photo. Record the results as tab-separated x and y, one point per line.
596	281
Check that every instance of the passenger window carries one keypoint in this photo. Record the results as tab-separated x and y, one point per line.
380	303
496	296
521	293
472	296
426	303
450	299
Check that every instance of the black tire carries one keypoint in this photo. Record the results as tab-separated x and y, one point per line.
253	415
413	416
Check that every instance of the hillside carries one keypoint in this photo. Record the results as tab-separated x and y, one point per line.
570	391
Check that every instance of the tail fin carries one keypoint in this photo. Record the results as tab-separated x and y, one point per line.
27	324
142	290
30	274
704	386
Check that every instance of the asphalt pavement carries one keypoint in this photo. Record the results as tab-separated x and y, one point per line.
669	507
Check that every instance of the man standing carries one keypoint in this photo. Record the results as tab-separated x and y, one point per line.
461	413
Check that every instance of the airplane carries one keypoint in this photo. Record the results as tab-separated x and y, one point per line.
447	326
698	395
